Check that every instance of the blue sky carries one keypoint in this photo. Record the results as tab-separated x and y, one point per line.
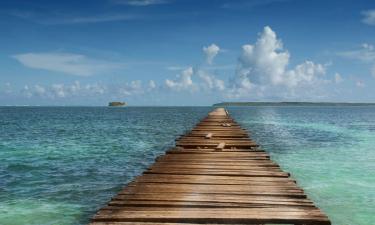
179	52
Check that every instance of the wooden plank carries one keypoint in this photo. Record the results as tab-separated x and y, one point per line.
205	179
219	134
213	158
207	187
219	173
202	204
243	152
210	150
221	215
139	223
253	167
264	190
195	183
210	136
247	166
216	142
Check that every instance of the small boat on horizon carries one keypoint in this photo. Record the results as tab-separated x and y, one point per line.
117	104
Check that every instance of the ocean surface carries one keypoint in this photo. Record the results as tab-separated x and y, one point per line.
58	165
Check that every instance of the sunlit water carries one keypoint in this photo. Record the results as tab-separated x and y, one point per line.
58	165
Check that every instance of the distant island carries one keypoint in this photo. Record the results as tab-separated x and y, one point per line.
223	104
117	104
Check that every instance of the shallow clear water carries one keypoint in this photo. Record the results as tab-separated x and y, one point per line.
58	165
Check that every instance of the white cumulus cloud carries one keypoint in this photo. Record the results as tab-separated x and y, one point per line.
305	73
203	81
58	90
182	82
211	52
210	82
151	84
26	91
39	90
134	87
265	63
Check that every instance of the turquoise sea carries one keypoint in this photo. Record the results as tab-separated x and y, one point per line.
58	165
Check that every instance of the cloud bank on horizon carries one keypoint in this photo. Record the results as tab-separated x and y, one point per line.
261	67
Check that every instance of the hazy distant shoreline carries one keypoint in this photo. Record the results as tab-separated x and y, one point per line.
223	104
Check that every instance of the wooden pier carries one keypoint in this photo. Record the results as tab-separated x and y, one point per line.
215	175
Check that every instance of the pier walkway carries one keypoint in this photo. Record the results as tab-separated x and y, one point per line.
215	175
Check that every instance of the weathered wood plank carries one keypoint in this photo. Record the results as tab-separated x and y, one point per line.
220	215
195	183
